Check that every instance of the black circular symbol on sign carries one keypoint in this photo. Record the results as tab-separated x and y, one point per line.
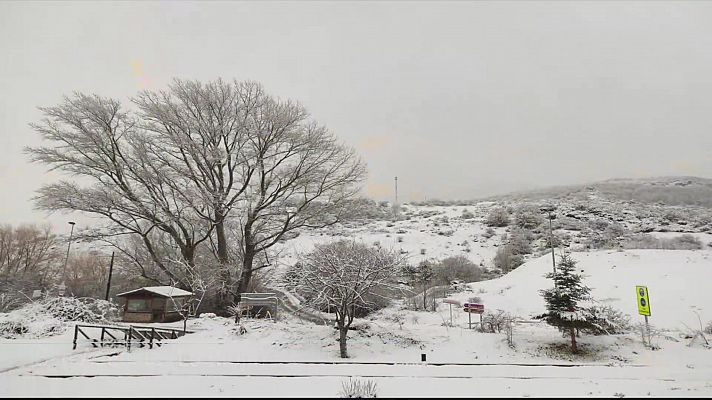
642	302
641	291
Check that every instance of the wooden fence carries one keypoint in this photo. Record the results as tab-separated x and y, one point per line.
125	336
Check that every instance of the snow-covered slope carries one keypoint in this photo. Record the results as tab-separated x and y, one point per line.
679	284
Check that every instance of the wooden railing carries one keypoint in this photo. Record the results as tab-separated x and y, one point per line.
125	336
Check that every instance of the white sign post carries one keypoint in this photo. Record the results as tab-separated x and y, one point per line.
451	302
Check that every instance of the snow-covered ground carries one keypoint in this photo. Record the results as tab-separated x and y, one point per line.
298	359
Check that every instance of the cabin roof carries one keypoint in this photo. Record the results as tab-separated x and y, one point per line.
163	291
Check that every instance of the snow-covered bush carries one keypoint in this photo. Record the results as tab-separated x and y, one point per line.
50	316
499	217
683	242
456	268
646	241
506	260
528	218
489	232
495	322
521	241
708	328
9	302
354	388
78	309
606	320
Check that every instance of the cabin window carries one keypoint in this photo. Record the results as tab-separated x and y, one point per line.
138	305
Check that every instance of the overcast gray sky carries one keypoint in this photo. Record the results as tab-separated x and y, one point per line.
458	99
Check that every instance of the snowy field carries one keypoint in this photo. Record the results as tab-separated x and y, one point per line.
292	357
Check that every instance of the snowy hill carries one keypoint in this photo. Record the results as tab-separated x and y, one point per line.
678	283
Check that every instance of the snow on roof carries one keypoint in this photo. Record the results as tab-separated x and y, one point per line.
165	291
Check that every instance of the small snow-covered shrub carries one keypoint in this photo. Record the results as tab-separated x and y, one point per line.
521	241
458	268
528	218
683	242
708	328
489	232
354	388
50	316
506	260
647	241
24	323
606	320
9	302
467	214
495	321
499	217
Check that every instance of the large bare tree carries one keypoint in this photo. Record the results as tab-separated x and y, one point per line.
193	159
256	161
118	175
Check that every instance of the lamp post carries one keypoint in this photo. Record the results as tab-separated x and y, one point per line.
69	245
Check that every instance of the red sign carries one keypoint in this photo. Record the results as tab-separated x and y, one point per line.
474	308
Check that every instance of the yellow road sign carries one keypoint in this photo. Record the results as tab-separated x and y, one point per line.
643	300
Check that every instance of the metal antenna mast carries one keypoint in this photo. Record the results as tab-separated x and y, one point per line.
396	191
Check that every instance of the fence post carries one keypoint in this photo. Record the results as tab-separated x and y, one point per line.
150	343
103	330
76	331
128	341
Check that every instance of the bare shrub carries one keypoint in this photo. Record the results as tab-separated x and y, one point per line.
354	388
506	260
495	322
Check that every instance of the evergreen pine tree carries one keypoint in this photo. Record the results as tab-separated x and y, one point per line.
562	301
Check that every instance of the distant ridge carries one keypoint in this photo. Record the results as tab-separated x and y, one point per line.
668	190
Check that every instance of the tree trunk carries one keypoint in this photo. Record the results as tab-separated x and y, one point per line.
425	292
342	341
247	258
572	332
223	259
246	275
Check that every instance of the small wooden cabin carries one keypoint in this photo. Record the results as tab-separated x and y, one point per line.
154	304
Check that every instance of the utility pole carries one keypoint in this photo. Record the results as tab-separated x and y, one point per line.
549	210
66	258
108	282
395	203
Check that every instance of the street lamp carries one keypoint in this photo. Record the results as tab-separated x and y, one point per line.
69	245
549	210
